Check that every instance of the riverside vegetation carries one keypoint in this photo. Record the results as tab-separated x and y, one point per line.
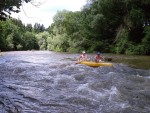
112	26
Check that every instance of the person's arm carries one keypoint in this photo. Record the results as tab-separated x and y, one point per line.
95	59
101	58
80	58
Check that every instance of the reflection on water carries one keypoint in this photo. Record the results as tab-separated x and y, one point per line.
49	82
134	61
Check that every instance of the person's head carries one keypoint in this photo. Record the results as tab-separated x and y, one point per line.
83	52
98	53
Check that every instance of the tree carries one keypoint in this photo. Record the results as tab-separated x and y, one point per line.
38	28
29	27
11	35
42	40
2	37
30	41
9	6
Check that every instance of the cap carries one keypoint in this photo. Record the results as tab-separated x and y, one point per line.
83	52
98	53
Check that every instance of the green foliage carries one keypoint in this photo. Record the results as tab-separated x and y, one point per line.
68	32
10	34
19	47
42	40
15	36
38	28
136	18
2	39
145	45
122	42
10	42
102	25
123	45
8	6
58	42
128	47
30	41
119	26
29	27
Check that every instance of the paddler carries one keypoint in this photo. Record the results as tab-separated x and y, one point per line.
98	57
83	57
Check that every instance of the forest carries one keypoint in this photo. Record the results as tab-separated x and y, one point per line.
108	26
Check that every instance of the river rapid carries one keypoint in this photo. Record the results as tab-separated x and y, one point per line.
49	82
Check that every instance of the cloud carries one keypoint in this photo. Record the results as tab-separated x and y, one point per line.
46	9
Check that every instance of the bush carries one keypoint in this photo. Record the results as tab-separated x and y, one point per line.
122	42
145	46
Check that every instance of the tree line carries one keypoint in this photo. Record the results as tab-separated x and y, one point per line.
14	35
112	26
116	26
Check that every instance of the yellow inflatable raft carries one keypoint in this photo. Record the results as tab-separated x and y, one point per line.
94	64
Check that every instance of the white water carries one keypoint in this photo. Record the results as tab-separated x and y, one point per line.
48	82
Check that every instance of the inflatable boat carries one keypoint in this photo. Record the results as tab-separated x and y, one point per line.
94	64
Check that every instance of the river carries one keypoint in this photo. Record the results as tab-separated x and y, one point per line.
50	82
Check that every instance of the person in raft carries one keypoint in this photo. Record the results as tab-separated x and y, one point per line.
83	57
98	57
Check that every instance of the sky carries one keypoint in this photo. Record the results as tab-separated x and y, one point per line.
45	10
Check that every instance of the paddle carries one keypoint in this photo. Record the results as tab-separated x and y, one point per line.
108	59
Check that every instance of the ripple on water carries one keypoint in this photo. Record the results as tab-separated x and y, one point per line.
63	81
39	84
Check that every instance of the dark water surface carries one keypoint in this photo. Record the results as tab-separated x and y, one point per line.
135	61
49	82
